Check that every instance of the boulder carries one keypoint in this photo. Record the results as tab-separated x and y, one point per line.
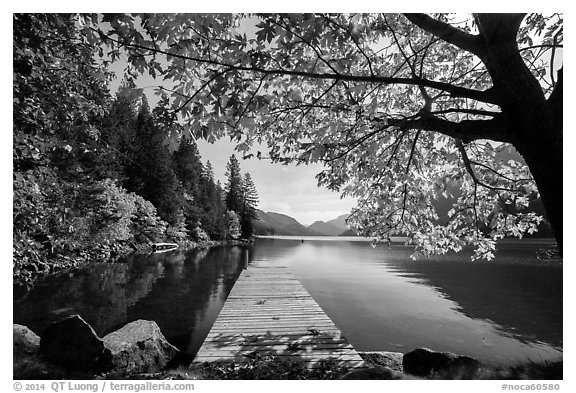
139	347
426	363
72	343
25	344
392	360
25	341
375	372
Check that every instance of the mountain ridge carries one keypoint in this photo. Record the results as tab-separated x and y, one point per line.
272	223
325	228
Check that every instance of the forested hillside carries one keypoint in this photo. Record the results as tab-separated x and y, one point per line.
93	177
271	223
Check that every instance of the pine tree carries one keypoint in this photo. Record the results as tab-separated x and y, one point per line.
220	213
188	169
151	174
187	165
249	203
234	185
118	134
212	206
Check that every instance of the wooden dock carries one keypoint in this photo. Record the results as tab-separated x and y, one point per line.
268	311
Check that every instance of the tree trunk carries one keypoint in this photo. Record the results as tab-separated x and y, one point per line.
545	163
535	123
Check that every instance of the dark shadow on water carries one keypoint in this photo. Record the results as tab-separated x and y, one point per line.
182	291
524	302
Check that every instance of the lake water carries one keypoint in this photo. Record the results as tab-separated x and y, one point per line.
503	312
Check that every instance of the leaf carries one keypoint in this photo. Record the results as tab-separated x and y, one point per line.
266	33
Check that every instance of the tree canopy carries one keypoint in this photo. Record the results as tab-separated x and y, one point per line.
93	175
403	110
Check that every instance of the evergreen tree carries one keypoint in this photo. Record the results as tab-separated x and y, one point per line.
188	169
220	215
150	174
212	204
249	203
234	185
187	165
208	173
118	134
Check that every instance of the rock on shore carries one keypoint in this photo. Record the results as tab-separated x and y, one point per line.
139	347
72	343
70	347
424	362
392	360
25	341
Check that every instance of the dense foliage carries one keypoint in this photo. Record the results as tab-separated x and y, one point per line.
94	176
403	110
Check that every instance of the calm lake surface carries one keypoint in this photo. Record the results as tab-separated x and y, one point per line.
505	311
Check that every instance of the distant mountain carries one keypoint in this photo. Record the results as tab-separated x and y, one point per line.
340	221
326	228
270	223
335	227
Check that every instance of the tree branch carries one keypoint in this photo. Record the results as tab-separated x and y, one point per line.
313	105
470	170
248	104
353	40
540	46
475	163
450	34
318	54
201	88
478	112
405	191
486	96
466	130
427	99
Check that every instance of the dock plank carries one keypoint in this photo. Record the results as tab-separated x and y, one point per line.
268	311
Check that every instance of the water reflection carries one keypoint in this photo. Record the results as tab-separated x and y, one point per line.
500	312
504	311
183	291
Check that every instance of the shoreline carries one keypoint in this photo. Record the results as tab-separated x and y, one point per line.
112	254
545	255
